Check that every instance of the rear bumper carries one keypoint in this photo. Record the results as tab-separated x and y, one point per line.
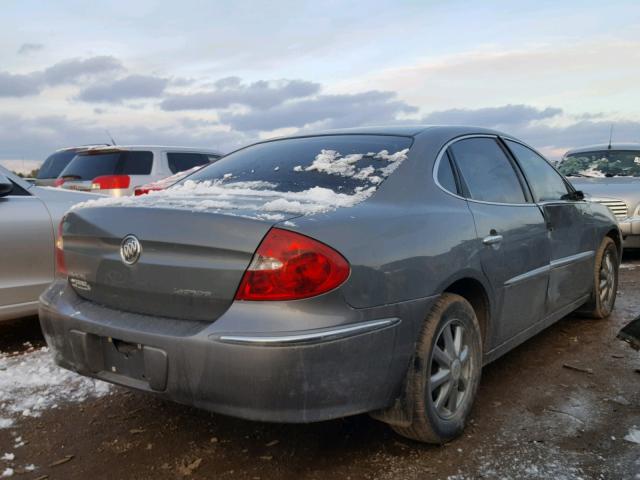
630	229
282	376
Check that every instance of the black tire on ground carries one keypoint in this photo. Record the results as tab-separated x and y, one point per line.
597	306
429	424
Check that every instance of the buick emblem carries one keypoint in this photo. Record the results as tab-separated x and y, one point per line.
130	249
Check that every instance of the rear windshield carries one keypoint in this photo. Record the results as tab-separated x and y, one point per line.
343	163
88	166
607	163
55	163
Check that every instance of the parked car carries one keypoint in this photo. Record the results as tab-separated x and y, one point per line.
630	333
309	278
165	182
55	163
29	217
119	170
609	174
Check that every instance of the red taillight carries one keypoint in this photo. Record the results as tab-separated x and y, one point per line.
290	266
144	190
109	182
58	182
61	268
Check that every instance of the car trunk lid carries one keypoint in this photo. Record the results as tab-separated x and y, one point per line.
190	266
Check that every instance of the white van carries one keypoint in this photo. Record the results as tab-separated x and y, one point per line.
118	170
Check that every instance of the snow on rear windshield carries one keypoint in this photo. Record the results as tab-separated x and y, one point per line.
342	163
282	178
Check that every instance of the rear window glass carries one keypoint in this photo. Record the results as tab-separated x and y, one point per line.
343	163
55	163
90	166
179	162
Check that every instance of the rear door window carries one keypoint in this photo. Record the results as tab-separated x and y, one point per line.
488	173
135	163
445	174
546	183
181	161
91	165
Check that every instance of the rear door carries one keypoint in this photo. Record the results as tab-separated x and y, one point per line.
26	249
570	230
512	232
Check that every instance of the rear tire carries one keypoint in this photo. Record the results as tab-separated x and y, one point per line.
442	382
605	281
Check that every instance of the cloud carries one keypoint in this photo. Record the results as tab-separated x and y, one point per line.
231	91
324	111
65	72
27	48
133	86
549	129
495	117
19	85
34	138
70	71
574	75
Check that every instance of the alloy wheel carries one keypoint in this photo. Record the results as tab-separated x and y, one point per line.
451	369
606	280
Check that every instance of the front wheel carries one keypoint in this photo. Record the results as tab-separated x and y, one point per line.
443	380
605	281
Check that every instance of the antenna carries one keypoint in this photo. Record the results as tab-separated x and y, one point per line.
610	136
113	142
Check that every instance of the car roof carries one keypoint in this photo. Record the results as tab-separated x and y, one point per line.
604	146
81	147
401	130
120	148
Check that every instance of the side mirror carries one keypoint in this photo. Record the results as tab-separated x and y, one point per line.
575	196
6	187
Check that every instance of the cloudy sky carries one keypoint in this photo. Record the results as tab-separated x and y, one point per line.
222	74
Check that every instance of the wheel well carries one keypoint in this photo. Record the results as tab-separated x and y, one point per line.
473	291
615	236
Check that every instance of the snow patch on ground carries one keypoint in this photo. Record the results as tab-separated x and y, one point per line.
526	461
5	423
633	436
31	383
224	195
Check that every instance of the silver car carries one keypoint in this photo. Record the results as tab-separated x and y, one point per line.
28	217
609	174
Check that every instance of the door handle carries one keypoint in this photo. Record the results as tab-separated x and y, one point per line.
492	239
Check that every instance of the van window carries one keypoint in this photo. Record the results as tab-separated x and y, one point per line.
89	165
181	161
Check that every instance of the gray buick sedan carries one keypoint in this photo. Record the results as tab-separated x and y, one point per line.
314	277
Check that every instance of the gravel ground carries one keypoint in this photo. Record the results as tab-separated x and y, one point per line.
534	419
